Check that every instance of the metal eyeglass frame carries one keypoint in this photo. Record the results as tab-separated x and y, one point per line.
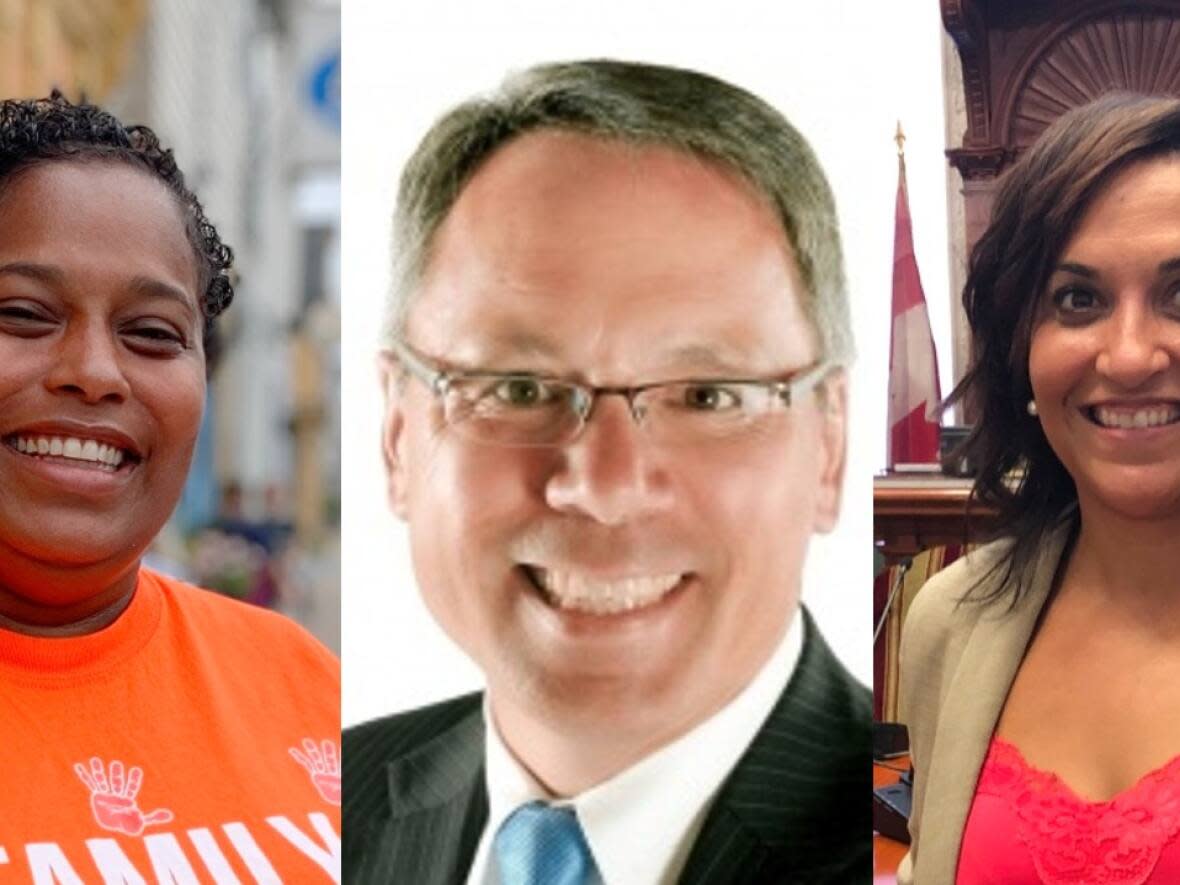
438	380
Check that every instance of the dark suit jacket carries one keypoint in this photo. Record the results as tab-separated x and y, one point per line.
796	809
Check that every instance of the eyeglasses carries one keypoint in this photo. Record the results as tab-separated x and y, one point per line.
520	409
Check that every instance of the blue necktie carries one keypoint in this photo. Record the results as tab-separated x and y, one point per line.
542	845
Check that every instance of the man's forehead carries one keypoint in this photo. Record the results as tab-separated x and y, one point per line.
551	197
569	248
552	162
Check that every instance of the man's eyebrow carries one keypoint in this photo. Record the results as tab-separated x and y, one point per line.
503	345
694	358
706	357
1170	265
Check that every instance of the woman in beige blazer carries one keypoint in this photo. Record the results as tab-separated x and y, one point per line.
1041	674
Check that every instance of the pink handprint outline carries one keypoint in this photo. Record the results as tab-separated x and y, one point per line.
113	797
322	764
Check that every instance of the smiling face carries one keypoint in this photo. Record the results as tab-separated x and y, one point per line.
613	581
1104	360
102	380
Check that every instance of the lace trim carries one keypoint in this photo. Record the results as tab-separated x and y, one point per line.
1076	842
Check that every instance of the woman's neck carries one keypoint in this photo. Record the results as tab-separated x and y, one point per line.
1133	564
67	611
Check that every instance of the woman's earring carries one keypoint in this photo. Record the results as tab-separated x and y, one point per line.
1032	407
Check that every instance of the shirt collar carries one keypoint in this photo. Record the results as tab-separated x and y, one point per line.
633	837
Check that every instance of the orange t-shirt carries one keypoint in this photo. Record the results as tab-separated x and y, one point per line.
195	739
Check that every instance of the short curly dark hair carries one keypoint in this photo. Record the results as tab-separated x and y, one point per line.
54	128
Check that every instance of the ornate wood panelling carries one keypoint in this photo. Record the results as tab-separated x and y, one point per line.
964	22
1134	51
1025	62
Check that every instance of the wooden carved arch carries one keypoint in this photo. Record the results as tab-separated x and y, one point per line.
1025	62
1132	49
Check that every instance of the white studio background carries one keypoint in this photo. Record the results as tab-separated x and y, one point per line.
842	72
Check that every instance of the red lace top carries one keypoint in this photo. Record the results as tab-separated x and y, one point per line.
1028	826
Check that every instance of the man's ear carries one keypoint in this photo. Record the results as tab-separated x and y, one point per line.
393	432
833	443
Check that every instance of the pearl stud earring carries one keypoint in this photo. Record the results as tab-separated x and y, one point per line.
1031	408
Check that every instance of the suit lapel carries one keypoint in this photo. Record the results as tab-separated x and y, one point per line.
799	796
973	701
438	808
790	811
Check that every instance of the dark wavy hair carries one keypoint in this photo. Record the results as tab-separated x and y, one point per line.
1040	202
53	128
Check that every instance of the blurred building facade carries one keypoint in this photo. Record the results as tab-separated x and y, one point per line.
247	94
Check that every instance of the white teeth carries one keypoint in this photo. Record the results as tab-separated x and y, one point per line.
1123	418
570	590
73	448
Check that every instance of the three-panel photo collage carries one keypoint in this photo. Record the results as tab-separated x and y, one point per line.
525	443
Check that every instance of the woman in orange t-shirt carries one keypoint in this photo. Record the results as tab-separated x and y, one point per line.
150	730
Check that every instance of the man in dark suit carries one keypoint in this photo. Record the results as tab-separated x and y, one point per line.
615	415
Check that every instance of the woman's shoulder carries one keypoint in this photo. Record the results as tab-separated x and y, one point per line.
944	605
257	673
234	625
938	626
988	584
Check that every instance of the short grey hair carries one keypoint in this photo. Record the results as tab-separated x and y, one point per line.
640	104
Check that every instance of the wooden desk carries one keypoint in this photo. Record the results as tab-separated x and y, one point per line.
914	512
887	853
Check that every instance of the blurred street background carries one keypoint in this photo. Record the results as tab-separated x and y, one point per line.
247	94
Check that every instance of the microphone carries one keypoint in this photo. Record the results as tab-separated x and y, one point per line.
904	566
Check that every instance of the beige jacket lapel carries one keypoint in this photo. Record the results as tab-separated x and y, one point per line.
958	663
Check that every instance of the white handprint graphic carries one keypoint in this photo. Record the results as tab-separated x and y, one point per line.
323	766
112	797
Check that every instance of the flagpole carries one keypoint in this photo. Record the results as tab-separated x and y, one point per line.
913	366
899	137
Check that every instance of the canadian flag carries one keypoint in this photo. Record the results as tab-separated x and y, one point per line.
913	367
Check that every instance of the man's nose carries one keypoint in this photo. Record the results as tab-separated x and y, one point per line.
610	473
88	363
1135	346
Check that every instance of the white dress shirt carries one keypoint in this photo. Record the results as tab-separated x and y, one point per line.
642	823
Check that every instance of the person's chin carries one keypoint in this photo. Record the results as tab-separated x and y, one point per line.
641	704
1143	494
71	540
606	662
